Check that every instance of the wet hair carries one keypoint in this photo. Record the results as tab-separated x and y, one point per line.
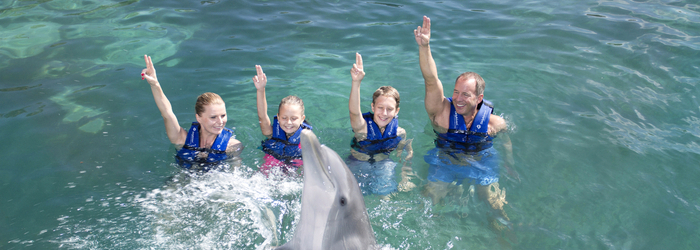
206	99
387	91
480	83
292	100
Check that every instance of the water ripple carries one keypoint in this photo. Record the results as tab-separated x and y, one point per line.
669	22
643	137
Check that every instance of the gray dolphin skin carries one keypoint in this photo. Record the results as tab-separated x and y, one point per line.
333	212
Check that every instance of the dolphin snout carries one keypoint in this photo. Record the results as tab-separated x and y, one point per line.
309	142
315	162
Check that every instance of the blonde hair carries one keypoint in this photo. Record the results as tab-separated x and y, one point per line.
206	99
289	100
480	83
387	91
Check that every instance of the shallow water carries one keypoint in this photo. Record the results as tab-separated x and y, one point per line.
601	97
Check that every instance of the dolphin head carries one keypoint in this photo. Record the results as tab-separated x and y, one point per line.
333	212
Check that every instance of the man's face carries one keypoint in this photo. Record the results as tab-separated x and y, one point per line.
464	96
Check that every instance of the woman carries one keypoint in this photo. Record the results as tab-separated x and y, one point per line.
208	142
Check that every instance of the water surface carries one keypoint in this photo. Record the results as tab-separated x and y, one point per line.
601	97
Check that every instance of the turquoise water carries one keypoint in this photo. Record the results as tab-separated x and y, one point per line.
601	97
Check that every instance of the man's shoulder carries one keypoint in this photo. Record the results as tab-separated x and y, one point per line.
437	111
442	118
497	123
496	119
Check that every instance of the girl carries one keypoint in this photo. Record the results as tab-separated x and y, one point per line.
281	147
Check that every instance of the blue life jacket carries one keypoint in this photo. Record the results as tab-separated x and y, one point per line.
280	147
187	155
376	142
475	139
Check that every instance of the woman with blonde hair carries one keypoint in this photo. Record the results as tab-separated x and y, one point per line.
208	142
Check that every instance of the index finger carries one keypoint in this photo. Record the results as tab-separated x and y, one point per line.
358	60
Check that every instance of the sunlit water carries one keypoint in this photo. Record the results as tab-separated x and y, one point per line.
601	97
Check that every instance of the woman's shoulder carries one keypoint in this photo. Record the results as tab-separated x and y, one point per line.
234	146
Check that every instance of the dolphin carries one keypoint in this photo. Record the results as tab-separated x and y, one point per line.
333	212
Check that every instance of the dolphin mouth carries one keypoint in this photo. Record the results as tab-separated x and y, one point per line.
316	166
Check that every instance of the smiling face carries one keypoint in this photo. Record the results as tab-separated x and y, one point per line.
290	117
213	118
384	109
465	97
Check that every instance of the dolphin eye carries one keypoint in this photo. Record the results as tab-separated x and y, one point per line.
342	201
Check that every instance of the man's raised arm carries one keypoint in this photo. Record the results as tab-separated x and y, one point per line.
434	94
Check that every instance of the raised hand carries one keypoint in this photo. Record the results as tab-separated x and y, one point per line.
356	121
149	73
261	79
423	33
357	71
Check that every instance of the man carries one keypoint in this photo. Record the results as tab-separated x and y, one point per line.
465	129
